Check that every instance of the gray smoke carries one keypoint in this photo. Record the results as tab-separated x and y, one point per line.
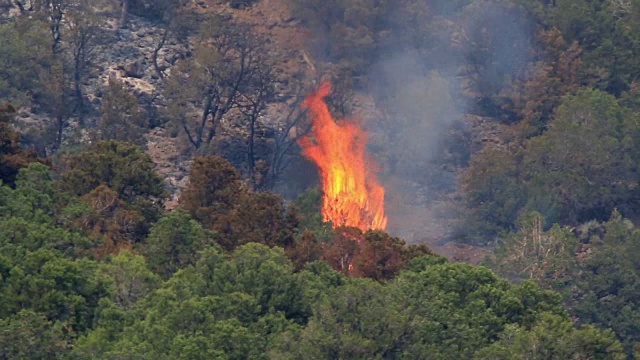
438	69
426	65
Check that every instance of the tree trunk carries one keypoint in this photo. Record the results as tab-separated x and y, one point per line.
203	122
251	153
77	77
157	50
55	32
60	121
21	7
123	14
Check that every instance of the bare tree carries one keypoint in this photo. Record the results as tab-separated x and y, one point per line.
82	27
621	8
124	12
22	7
252	103
154	58
212	80
177	23
52	11
55	93
292	122
535	254
290	127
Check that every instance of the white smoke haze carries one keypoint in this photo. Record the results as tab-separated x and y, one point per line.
423	94
417	107
427	65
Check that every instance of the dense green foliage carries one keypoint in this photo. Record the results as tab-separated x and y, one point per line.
577	170
594	268
570	155
183	296
608	33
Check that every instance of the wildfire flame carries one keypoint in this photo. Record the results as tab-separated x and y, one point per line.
352	194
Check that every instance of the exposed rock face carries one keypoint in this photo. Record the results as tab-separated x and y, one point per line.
147	8
135	69
127	55
170	163
8	9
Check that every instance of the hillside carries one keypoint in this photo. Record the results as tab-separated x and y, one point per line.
177	178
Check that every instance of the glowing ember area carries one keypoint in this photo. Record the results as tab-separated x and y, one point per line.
352	195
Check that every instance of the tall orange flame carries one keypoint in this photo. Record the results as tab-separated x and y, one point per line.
352	194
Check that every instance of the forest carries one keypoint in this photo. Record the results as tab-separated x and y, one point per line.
162	195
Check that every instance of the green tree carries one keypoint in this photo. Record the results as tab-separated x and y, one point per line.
580	168
493	193
362	320
122	169
454	301
608	33
122	119
439	311
131	278
61	289
213	191
604	290
221	307
33	197
12	155
29	335
26	54
577	170
553	337
34	236
308	206
174	241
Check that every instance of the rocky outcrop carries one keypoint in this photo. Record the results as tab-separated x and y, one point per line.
8	10
135	69
172	166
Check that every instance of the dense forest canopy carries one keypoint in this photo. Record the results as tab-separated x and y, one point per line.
155	203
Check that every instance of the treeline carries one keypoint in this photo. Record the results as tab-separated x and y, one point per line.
91	266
